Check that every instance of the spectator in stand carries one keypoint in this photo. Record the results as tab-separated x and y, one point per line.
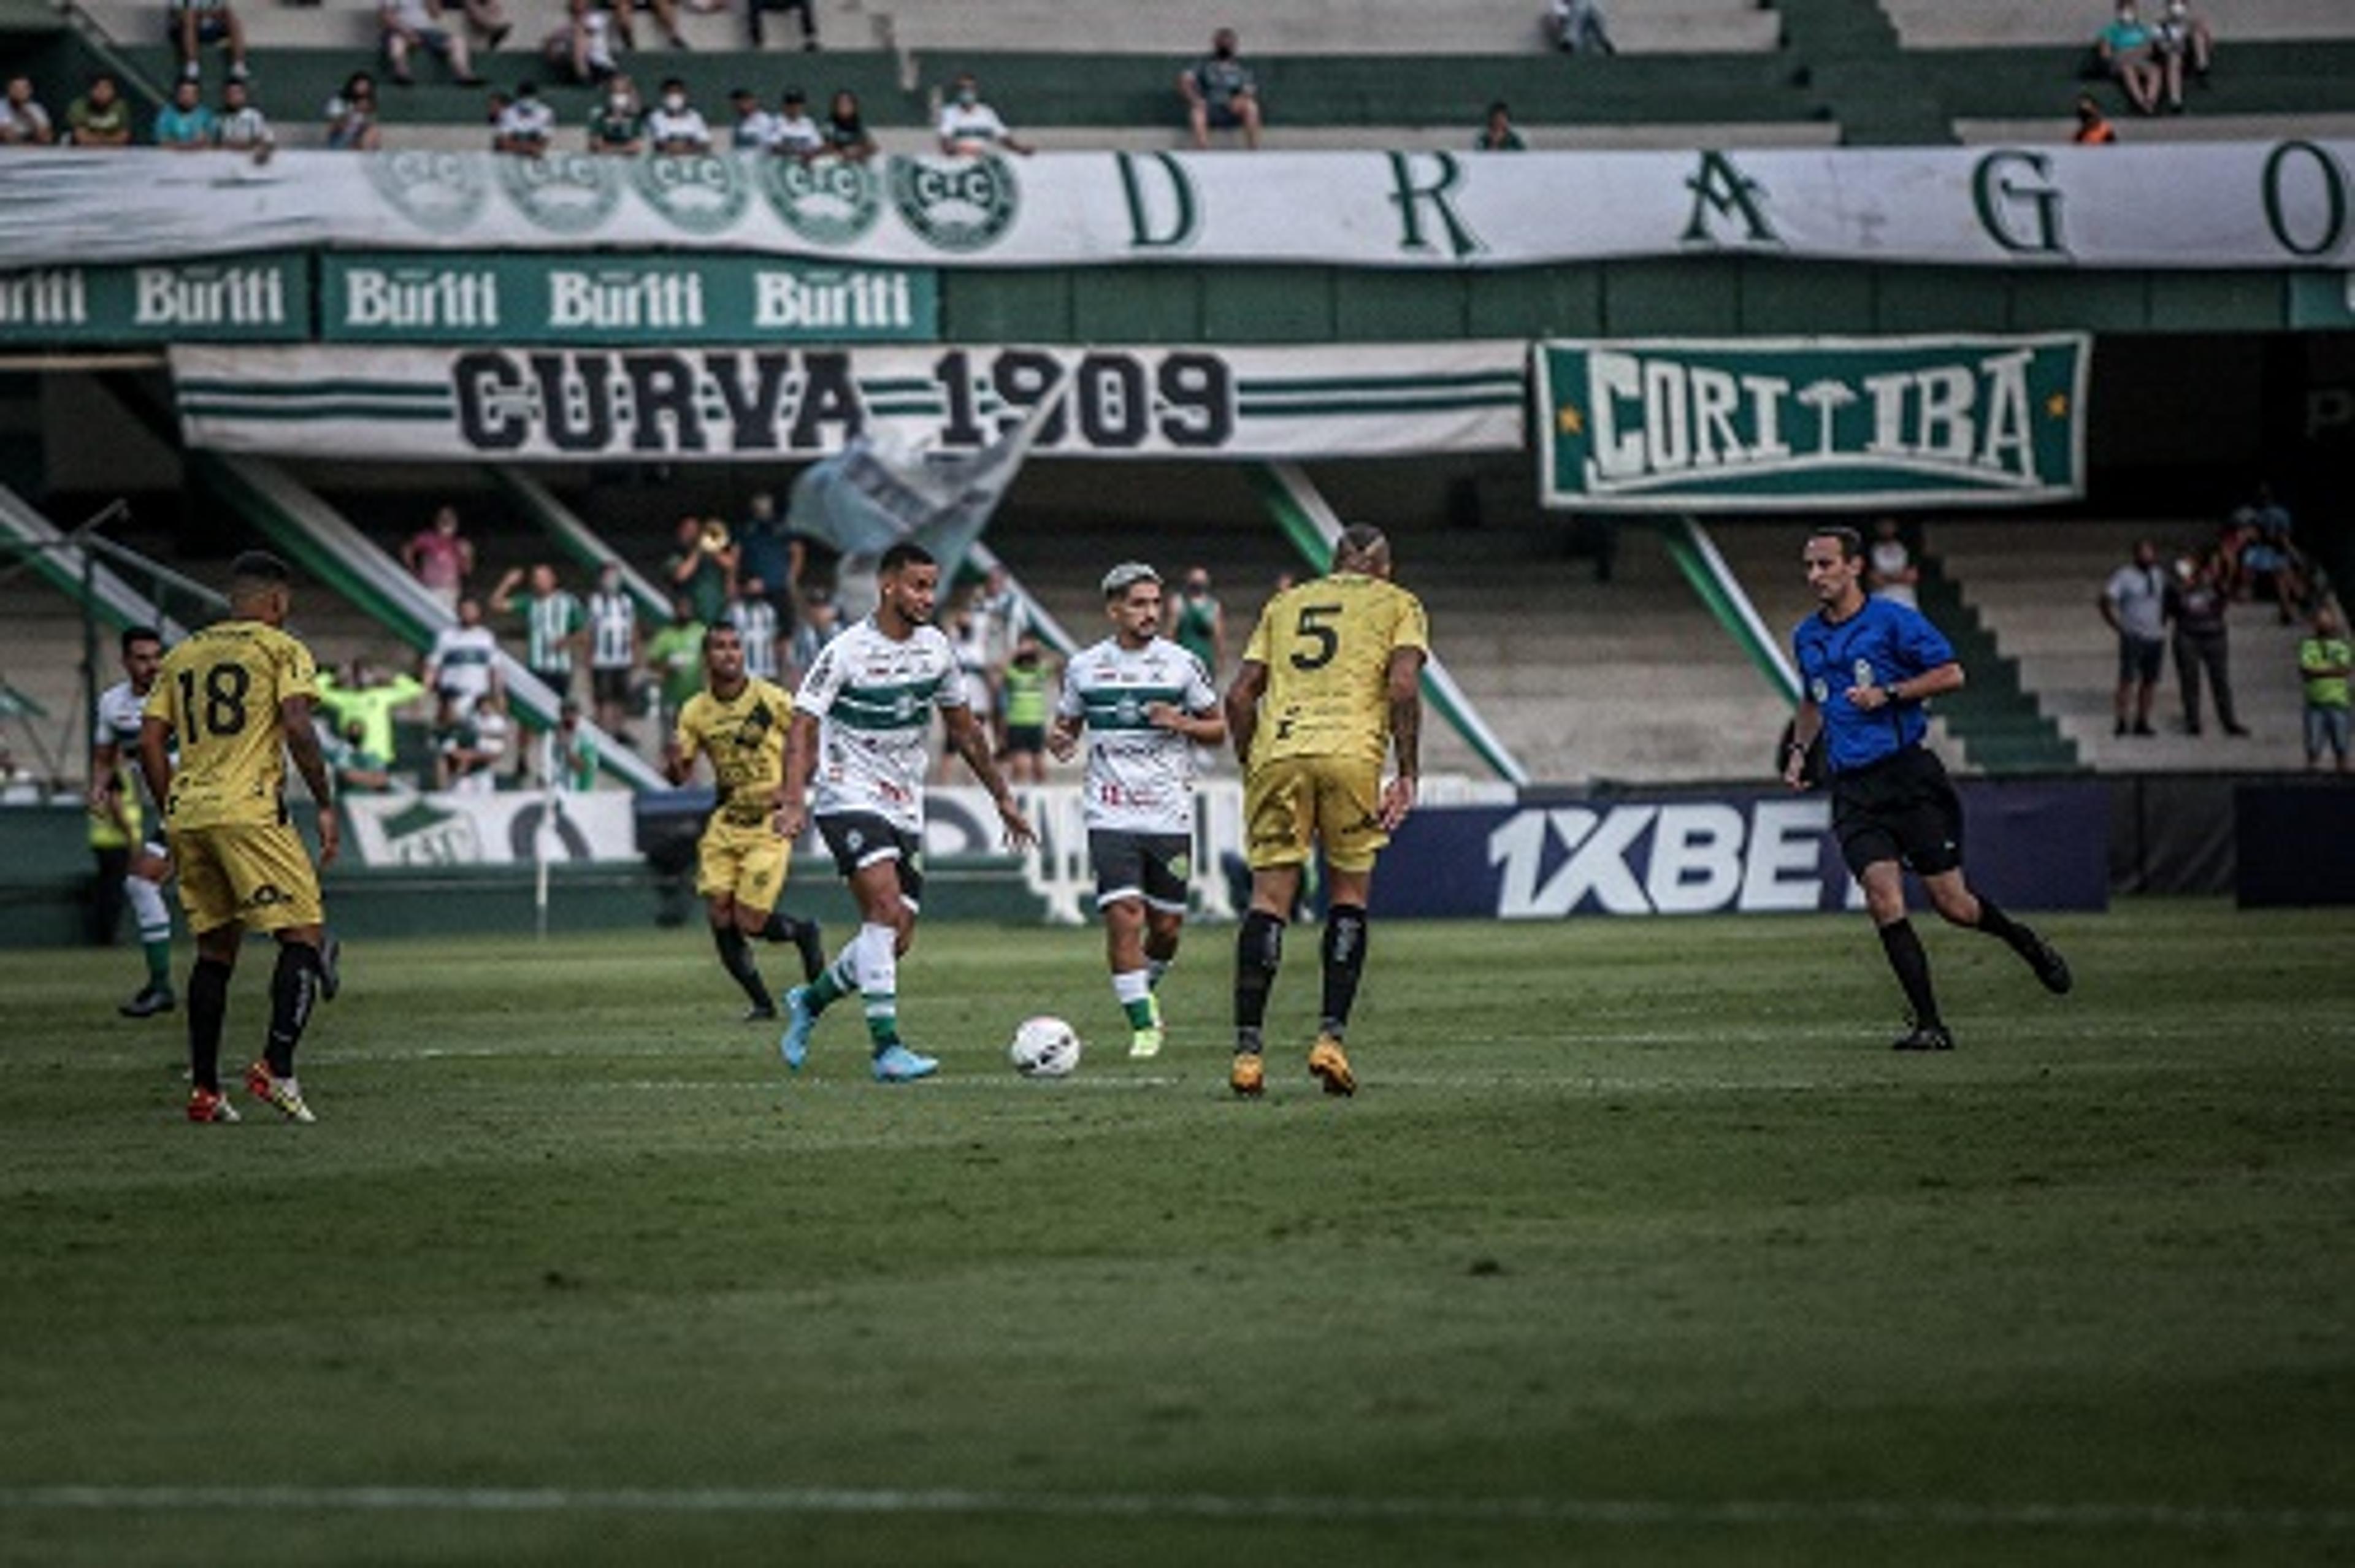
185	124
666	18
192	24
525	125
797	135
495	738
1576	26
1220	92
367	702
1197	623
1891	565
410	25
613	650
242	127
100	118
816	626
2179	40
755	130
22	121
440	557
2134	604
2093	127
617	126
2322	664
1499	135
675	656
2125	49
968	127
489	20
767	549
676	127
359	769
757	628
846	136
351	118
468	747
807	10
1028	682
556	626
703	565
2264	556
582	48
463	665
2195	605
568	755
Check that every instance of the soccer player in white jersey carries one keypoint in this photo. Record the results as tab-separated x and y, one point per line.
859	721
117	744
1146	704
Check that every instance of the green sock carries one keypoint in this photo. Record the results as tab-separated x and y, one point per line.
159	965
882	1020
1140	1013
834	984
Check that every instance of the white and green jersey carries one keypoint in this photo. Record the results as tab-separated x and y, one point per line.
550	619
462	659
1140	778
120	709
613	618
874	700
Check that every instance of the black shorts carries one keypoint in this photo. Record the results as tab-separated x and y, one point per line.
610	685
1030	739
1149	866
2140	659
1903	808
858	838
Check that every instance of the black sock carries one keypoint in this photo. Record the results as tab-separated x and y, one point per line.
736	957
1913	966
2001	927
1259	951
1345	961
207	1006
803	934
293	988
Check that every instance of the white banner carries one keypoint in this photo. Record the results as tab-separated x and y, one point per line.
723	404
2284	204
512	828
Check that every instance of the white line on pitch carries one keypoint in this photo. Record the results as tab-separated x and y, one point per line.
1637	1511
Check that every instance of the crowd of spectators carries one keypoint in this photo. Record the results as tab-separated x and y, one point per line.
2150	60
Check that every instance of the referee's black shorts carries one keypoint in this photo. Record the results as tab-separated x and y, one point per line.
1902	807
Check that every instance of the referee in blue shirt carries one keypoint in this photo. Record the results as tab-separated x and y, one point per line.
1867	667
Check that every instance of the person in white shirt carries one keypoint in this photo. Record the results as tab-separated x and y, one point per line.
409	25
22	121
755	130
1145	703
969	127
582	48
858	727
797	135
525	123
675	127
240	127
463	666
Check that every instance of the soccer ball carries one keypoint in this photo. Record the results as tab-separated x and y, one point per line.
1044	1048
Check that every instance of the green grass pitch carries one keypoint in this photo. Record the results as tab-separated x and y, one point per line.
1637	1247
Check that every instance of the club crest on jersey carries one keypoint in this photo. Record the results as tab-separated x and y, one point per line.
1819	690
1862	670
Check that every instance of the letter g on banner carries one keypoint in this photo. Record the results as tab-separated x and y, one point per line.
1998	201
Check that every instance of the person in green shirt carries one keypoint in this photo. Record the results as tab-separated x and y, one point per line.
568	756
367	702
617	126
702	566
1498	134
675	654
1198	625
1028	678
358	768
100	118
2322	664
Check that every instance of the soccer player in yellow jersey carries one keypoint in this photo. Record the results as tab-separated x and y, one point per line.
1330	685
739	722
236	698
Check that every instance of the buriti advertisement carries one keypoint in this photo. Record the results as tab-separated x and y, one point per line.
686	404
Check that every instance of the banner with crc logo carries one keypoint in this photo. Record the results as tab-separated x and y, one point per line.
687	404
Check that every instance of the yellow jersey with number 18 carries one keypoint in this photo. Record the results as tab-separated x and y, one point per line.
219	691
1326	645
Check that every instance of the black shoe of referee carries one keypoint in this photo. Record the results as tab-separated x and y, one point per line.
2051	969
1924	1037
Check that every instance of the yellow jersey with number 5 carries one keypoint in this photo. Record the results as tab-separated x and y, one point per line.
1326	645
219	691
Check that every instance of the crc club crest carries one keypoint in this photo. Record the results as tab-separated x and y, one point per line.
564	193
828	201
439	192
957	204
702	193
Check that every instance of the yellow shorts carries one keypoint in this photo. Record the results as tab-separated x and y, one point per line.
749	864
1334	800
257	875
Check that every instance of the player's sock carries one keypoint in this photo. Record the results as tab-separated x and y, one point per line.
736	957
2002	927
1913	966
840	978
1345	961
1154	969
1134	989
207	1006
1259	952
294	988
879	982
803	934
154	918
